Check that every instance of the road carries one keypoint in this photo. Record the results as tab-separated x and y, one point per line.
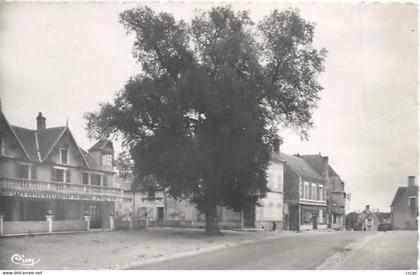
307	251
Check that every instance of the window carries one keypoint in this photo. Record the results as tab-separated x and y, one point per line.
412	202
59	175
23	171
96	179
320	193
306	191
64	155
313	197
2	147
85	178
107	160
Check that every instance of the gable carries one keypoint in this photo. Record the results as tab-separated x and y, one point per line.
66	140
13	146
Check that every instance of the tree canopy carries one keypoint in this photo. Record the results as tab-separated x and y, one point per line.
203	115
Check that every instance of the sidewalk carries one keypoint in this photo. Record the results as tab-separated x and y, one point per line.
121	249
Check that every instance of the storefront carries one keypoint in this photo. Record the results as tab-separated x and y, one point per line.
313	217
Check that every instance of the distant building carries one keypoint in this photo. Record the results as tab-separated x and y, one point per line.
267	216
367	220
336	196
404	206
142	206
49	184
304	195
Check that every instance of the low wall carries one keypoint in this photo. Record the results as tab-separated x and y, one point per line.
69	225
25	227
121	224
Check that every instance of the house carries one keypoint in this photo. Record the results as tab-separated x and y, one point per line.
367	220
143	206
268	215
404	206
304	195
336	197
49	184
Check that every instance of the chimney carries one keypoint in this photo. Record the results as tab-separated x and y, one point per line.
367	207
40	122
411	181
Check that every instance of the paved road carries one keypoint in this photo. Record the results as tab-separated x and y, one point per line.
391	250
302	251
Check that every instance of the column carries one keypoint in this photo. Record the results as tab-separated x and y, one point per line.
50	222
111	222
87	219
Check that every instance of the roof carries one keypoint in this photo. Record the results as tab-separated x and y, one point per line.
383	216
331	172
401	191
47	138
28	139
299	166
37	144
100	145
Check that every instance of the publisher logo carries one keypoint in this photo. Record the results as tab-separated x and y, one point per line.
22	260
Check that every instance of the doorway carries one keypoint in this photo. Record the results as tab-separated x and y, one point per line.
249	217
160	214
95	214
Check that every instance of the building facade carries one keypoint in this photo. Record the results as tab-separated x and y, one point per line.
404	206
49	184
304	195
267	216
335	195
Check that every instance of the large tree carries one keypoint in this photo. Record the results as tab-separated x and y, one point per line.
203	115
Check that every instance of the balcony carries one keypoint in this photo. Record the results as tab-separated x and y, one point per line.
58	190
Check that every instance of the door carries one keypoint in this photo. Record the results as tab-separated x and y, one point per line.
95	216
160	216
249	217
314	221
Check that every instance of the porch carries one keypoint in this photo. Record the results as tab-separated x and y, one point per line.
22	216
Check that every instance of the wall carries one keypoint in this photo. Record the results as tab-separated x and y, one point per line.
69	225
18	227
404	218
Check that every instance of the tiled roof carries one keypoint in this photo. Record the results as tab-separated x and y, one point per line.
28	139
300	167
402	190
100	145
47	137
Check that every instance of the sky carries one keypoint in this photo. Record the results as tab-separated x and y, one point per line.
64	59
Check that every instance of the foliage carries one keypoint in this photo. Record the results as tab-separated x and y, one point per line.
203	116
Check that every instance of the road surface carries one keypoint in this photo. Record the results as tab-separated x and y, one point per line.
307	251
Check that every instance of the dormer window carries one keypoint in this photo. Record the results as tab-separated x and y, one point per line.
64	156
107	160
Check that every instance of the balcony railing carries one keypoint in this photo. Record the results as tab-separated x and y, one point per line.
45	187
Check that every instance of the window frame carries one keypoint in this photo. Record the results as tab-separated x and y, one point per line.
29	167
104	156
61	155
2	147
88	178
64	169
100	179
415	202
306	190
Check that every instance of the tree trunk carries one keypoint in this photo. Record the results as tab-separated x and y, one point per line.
212	225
